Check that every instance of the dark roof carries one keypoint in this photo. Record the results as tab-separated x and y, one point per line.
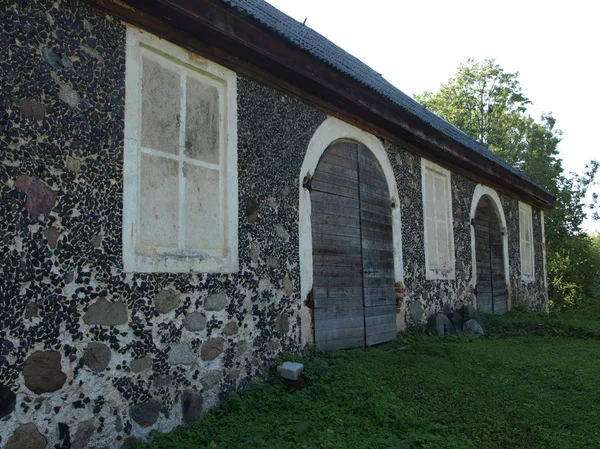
326	51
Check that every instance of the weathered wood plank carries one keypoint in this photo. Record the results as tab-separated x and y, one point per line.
382	290
340	343
372	193
320	199
336	292
333	169
337	160
321	259
375	217
373	263
385	228
347	150
385	236
340	310
376	339
340	323
336	220
381	313
329	178
378	254
334	189
371	207
335	230
380	300
378	245
375	197
337	270
337	280
378	282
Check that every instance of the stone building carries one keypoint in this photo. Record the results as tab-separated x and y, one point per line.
190	188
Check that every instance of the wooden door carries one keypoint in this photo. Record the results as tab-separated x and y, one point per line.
489	252
377	251
353	282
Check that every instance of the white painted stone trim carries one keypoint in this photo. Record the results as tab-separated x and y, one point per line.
194	261
329	132
544	262
526	209
481	191
431	272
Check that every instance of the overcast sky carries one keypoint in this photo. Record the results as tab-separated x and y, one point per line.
417	45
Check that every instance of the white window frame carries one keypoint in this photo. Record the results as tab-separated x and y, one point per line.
526	220
136	259
433	270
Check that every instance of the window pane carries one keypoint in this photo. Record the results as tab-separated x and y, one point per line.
431	242
203	220
429	201
521	224
440	199
202	121
161	97
444	254
159	202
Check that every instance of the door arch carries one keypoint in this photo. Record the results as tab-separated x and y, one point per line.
489	245
353	261
330	132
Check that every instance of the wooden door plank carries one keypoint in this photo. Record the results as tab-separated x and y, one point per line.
377	250
337	261
321	259
336	229
335	189
334	169
337	292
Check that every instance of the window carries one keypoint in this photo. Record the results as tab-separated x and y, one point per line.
526	236
437	215
180	165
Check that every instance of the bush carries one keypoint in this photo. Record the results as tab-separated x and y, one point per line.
574	271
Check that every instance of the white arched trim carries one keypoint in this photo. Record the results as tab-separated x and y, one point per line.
481	191
330	131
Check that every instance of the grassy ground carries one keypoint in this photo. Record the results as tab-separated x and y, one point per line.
532	382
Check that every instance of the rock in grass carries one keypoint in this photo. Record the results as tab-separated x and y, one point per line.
443	325
457	320
290	370
473	328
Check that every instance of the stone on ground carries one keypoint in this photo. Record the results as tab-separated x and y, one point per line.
473	328
290	370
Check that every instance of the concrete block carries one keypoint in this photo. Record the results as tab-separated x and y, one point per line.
290	370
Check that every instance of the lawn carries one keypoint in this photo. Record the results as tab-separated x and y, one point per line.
531	382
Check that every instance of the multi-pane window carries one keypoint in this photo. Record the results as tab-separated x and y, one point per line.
526	237
180	172
437	215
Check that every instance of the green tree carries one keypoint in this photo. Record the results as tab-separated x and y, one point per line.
488	104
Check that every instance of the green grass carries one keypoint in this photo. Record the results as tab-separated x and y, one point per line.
532	382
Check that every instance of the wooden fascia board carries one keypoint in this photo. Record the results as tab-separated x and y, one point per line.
220	34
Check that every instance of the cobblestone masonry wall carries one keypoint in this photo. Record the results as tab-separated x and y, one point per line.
530	294
89	355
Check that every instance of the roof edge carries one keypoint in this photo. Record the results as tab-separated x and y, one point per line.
240	42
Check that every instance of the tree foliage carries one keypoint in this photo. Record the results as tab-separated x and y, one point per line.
488	104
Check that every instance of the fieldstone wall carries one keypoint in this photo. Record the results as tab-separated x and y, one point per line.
529	294
423	297
89	355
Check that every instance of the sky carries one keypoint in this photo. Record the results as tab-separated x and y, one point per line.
418	44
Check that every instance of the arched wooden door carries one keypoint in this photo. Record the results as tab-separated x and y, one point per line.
353	265
489	253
